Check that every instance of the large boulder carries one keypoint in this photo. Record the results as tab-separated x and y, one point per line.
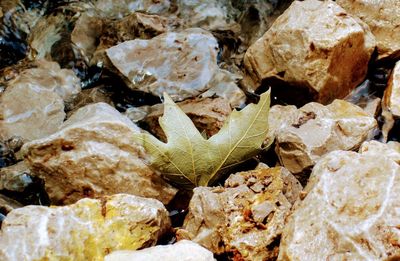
183	250
87	230
32	106
181	64
94	154
350	209
306	134
383	18
245	218
315	49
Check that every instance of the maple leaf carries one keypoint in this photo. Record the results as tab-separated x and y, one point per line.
189	160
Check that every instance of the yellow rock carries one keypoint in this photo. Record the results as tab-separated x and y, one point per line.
86	230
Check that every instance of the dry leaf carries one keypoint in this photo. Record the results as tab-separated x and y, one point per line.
189	160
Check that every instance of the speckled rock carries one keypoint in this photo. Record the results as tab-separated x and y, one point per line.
383	18
94	154
181	64
315	49
207	114
391	99
319	129
350	210
183	250
245	217
32	106
87	230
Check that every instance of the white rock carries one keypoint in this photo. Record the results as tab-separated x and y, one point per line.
314	48
181	64
350	211
183	251
87	230
94	154
314	130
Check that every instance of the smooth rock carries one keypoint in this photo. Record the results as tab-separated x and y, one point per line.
350	210
391	98
86	230
314	49
319	129
183	250
121	8
383	18
207	114
244	218
32	106
94	154
180	64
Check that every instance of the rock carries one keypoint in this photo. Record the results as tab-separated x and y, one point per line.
121	8
32	106
391	98
319	129
89	96
7	205
15	177
207	114
182	250
349	211
383	18
86	230
315	49
390	150
181	64
94	154
244	218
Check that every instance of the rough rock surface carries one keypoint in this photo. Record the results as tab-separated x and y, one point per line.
87	230
383	18
94	154
246	216
181	64
32	106
391	99
317	130
350	209
15	177
207	114
183	250
315	49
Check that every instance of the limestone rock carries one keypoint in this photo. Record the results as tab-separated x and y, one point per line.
94	154
86	230
32	106
182	250
245	217
391	99
390	150
181	64
315	49
319	129
121	8
383	18
349	211
207	114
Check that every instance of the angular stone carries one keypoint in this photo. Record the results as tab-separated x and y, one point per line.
315	49
15	177
32	105
182	250
181	64
350	210
383	18
319	129
94	154
121	8
86	230
390	150
391	98
207	114
245	217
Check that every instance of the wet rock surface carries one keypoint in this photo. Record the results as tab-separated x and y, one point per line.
246	216
182	250
349	211
89	229
303	50
94	154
